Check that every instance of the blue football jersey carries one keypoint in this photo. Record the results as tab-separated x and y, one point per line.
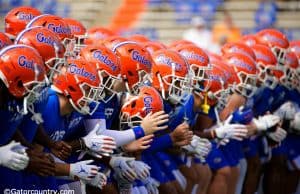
183	112
108	111
56	126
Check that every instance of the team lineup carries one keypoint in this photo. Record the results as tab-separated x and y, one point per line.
94	112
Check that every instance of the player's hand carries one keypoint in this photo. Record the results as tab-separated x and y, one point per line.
182	135
141	169
278	135
154	122
265	122
202	146
139	144
151	185
40	163
83	170
123	166
295	123
99	180
61	149
100	144
14	156
231	131
286	111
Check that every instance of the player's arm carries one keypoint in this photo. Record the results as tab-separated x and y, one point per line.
59	148
18	137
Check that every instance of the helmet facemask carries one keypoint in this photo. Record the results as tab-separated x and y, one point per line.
79	43
127	121
107	83
134	89
247	85
199	76
290	79
69	44
266	76
280	54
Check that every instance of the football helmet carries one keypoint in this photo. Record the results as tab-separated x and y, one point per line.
111	41
23	72
198	62
153	46
97	34
266	64
249	40
179	43
277	42
108	67
291	80
57	25
246	71
139	38
134	110
295	47
79	32
79	82
229	72
47	44
4	40
237	48
17	19
136	63
217	85
170	75
229	81
213	56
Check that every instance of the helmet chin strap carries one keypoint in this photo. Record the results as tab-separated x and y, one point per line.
205	107
25	111
161	86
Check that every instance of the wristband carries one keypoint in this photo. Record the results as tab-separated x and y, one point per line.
138	132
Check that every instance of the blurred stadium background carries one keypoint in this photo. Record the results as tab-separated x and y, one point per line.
166	20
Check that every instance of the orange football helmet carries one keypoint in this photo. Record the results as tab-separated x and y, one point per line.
17	19
23	72
266	64
228	82
4	40
153	46
47	44
139	38
79	32
79	82
217	90
111	41
57	25
136	63
199	64
138	107
108	67
179	43
97	34
277	42
291	79
170	75
295	47
246	70
237	48
249	40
